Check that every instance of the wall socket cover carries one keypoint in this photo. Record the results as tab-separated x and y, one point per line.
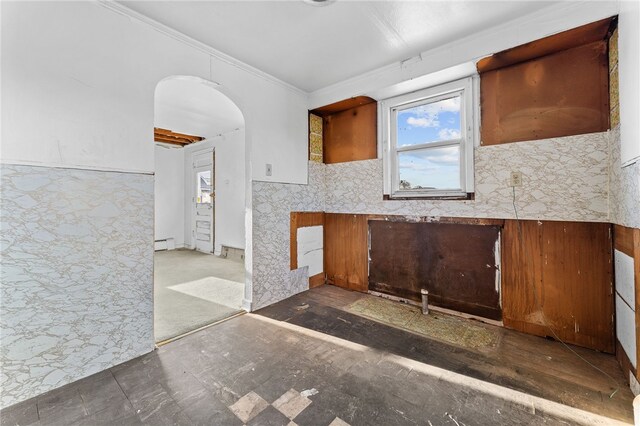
269	169
516	179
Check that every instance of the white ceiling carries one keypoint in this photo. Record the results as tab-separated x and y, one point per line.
187	105
312	47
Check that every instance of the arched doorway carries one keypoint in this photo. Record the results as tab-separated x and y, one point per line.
200	188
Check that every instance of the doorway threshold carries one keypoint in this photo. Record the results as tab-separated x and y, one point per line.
180	336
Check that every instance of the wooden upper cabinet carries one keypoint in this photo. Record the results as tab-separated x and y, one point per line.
553	87
349	130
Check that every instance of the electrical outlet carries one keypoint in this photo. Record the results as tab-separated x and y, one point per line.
516	179
269	169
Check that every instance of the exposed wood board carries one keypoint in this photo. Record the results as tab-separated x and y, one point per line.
342	105
439	219
562	94
636	258
346	250
456	263
569	267
173	141
316	280
299	220
623	239
168	136
351	135
595	31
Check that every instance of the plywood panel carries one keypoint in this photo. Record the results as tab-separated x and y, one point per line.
558	275
636	263
346	251
456	263
585	34
566	93
623	239
342	105
351	135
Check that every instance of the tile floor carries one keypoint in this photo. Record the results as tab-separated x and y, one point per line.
253	370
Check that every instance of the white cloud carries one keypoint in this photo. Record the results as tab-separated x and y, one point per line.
448	134
428	115
423	122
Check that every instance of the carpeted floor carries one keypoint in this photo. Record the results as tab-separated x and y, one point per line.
193	289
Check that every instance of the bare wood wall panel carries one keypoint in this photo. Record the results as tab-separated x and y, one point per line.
561	276
562	94
346	250
351	135
623	238
455	262
585	34
300	220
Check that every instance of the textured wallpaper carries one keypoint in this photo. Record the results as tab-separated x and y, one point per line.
563	179
77	275
272	205
624	201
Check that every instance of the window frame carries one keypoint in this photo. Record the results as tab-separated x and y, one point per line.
467	89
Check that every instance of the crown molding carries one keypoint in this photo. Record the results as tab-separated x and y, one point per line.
121	9
544	22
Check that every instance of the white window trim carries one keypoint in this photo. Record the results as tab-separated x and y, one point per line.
468	88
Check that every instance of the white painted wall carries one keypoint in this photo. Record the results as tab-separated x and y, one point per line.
169	194
629	85
230	188
625	304
310	242
80	79
458	57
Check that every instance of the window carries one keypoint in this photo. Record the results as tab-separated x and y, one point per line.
428	141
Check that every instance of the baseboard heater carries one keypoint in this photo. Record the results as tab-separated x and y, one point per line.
166	244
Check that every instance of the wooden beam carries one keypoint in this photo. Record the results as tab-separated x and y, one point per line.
171	140
168	136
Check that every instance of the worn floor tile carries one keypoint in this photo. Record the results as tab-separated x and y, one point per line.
291	403
61	407
249	406
23	414
338	422
269	417
205	409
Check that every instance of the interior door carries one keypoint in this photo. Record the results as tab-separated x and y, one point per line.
203	200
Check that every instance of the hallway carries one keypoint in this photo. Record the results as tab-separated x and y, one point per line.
193	289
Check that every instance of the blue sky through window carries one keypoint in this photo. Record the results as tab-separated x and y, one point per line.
432	168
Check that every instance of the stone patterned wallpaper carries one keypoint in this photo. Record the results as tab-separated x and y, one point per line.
563	179
76	280
272	205
624	202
